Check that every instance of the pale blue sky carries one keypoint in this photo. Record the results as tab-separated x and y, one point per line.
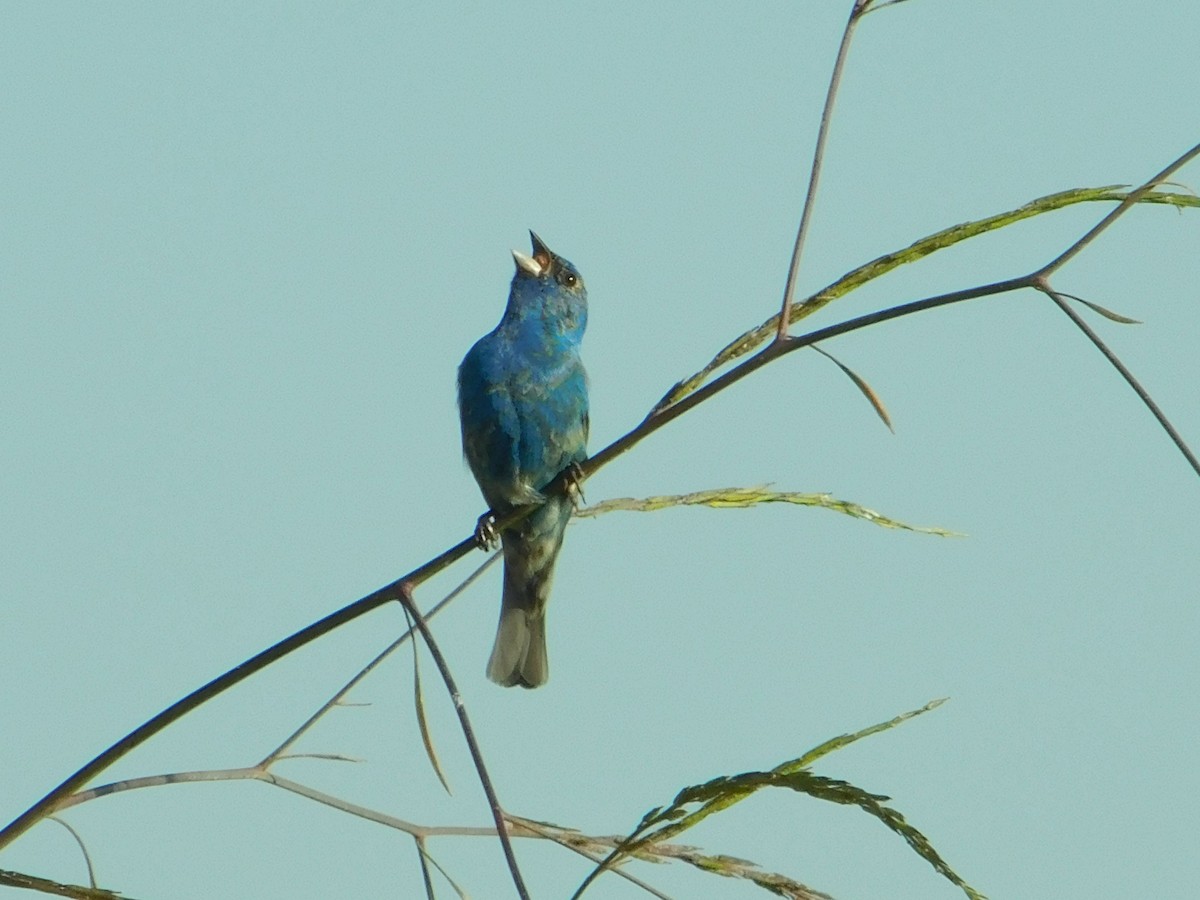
243	248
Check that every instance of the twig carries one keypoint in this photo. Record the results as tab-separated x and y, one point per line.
1132	381
541	831
427	859
789	291
425	874
517	826
221	683
747	342
1123	207
87	857
405	597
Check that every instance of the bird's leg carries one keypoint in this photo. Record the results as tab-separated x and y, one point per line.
486	536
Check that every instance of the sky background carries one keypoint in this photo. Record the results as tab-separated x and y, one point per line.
243	247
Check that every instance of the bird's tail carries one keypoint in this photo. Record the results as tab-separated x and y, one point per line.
519	654
530	550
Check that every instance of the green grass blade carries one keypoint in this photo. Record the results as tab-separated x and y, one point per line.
744	497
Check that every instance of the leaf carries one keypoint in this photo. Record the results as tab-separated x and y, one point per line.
1107	313
419	705
329	757
861	384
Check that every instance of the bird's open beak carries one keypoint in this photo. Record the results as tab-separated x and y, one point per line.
539	263
540	251
527	264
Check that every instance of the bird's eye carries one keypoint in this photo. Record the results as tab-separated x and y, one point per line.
569	279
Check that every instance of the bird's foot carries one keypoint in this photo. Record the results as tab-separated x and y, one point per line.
573	483
486	536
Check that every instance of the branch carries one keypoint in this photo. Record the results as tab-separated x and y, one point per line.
939	240
181	708
679	400
1143	394
469	734
1135	196
857	11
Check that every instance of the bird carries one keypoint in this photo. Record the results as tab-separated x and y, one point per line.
523	407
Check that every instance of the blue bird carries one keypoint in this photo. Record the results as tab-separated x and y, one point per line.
522	399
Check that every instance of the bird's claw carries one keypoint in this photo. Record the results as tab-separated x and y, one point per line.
486	536
573	483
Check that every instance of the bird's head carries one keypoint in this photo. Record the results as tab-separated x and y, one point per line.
549	289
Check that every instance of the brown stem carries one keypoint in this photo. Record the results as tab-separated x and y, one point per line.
814	177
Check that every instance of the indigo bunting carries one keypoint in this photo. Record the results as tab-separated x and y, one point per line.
522	399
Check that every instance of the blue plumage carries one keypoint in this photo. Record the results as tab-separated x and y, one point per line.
522	398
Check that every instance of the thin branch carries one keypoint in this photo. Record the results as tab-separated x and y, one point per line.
280	752
1133	197
1040	281
180	708
425	874
746	343
177	710
1061	301
789	291
146	781
406	598
365	812
87	857
592	847
426	857
660	416
516	826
